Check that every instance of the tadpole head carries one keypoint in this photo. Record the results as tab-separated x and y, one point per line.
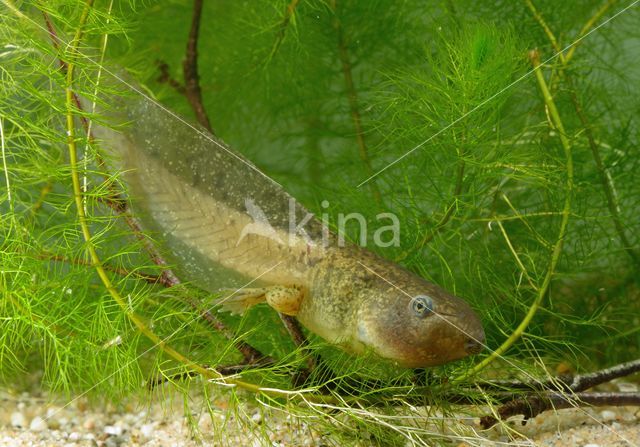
417	324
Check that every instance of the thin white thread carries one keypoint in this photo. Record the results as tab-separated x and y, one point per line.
163	108
534	379
527	74
164	340
177	117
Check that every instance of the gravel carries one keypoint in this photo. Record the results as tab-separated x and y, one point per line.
585	427
37	419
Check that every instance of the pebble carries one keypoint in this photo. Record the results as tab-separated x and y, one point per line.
627	387
161	423
18	420
38	424
205	423
89	424
115	441
52	411
147	430
256	417
113	430
608	415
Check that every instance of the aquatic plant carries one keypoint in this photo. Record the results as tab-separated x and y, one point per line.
502	134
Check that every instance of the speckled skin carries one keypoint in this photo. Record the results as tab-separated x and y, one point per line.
362	302
192	191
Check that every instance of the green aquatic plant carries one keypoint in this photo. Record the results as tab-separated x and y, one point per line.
501	134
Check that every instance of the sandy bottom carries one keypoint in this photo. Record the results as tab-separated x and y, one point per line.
35	419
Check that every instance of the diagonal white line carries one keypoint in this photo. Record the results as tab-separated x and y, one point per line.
534	379
205	135
441	316
214	141
160	106
483	103
164	340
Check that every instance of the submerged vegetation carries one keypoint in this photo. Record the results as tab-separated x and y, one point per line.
502	134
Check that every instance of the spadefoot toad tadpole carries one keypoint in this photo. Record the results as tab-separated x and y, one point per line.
226	223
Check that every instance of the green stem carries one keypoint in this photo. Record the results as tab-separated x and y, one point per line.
97	263
545	27
151	279
77	192
556	122
587	27
428	237
607	186
605	179
9	4
282	28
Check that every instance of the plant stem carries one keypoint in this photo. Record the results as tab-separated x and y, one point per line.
190	69
556	122
561	393
97	263
531	406
515	255
545	27
9	4
5	168
282	28
77	192
605	179
428	237
352	95
151	279
587	27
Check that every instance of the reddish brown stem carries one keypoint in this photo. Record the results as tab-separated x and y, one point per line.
120	206
531	406
352	95
282	28
165	77
569	392
151	279
190	69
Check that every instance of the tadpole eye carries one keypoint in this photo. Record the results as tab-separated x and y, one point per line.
421	305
